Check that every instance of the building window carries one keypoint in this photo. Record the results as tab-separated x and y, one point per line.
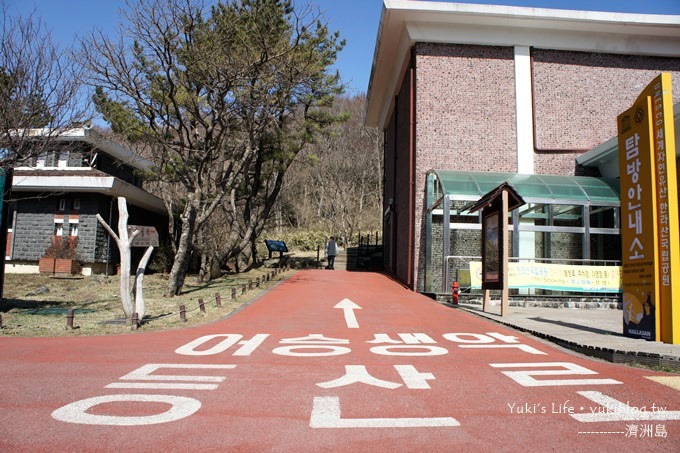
63	160
49	159
73	229
76	204
62	204
58	228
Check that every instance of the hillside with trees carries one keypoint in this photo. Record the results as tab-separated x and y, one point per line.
222	100
335	185
235	104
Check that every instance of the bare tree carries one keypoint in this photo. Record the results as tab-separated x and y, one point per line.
39	90
337	184
124	242
205	90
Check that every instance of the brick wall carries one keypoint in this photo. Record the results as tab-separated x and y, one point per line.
465	108
465	116
465	119
35	225
389	222
402	189
578	95
33	230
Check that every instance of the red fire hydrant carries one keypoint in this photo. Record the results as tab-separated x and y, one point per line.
455	290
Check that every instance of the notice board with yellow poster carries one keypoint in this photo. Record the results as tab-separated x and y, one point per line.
556	277
649	215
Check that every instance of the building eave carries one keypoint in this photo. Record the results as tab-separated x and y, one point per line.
105	185
406	22
94	138
605	156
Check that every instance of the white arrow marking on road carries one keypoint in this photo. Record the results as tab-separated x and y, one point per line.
348	307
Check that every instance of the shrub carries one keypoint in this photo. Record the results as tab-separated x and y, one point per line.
62	247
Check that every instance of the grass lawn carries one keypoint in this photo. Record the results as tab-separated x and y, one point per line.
37	304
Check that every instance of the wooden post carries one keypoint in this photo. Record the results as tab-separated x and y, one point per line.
218	300
69	319
201	305
233	293
183	313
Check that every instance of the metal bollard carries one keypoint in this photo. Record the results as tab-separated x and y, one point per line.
218	300
201	305
183	313
69	318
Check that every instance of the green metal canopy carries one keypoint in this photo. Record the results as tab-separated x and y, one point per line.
532	188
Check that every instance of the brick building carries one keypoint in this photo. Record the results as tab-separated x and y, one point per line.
59	195
495	91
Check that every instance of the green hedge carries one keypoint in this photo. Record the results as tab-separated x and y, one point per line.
299	239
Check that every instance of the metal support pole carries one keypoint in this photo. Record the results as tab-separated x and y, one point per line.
446	245
505	305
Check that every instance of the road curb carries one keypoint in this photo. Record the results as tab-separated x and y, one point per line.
609	354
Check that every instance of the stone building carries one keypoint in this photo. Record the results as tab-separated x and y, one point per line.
468	93
59	195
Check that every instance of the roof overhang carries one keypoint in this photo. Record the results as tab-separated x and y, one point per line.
548	189
94	138
405	22
105	185
515	200
605	157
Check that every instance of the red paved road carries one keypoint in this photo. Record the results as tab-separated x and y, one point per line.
291	372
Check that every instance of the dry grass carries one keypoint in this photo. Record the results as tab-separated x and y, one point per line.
37	305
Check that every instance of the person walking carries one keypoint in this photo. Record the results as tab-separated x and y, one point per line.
331	251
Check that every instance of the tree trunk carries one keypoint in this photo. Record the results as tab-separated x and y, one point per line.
181	263
210	267
123	242
203	270
124	249
215	267
140	306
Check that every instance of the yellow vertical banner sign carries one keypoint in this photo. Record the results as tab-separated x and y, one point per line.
638	221
668	230
649	215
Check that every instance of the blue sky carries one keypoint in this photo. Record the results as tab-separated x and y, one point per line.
356	20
